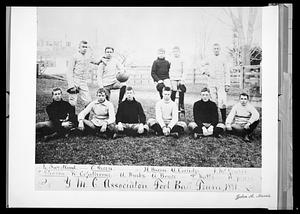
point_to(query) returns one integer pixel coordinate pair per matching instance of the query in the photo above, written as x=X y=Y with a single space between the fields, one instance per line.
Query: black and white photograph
x=149 y=86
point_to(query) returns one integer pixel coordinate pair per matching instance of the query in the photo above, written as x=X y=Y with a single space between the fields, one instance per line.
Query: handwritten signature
x=246 y=196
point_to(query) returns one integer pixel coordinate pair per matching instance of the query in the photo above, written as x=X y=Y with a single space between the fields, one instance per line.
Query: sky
x=140 y=31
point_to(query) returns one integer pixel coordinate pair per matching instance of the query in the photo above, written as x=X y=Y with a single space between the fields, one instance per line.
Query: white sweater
x=176 y=68
x=166 y=113
x=106 y=74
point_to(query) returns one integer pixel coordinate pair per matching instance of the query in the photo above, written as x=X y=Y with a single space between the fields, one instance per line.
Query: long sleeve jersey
x=78 y=69
x=205 y=112
x=166 y=113
x=160 y=69
x=101 y=112
x=130 y=112
x=218 y=70
x=242 y=114
x=106 y=73
x=60 y=110
x=177 y=68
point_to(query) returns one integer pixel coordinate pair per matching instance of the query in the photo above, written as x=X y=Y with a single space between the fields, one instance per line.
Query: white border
x=270 y=33
x=22 y=141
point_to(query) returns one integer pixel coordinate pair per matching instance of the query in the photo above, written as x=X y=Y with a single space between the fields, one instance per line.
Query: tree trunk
x=244 y=41
x=246 y=54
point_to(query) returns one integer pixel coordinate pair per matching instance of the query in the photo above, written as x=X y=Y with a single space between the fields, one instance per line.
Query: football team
x=99 y=118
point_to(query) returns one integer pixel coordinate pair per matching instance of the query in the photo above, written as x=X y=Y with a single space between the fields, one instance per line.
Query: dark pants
x=121 y=93
x=49 y=127
x=181 y=97
x=243 y=132
x=160 y=94
x=131 y=132
x=156 y=127
x=216 y=130
x=109 y=130
x=223 y=114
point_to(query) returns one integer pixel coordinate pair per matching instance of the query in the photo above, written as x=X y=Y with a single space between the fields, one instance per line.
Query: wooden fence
x=242 y=77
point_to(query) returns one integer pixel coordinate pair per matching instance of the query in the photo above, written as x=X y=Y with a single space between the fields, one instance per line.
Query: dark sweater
x=59 y=110
x=130 y=112
x=160 y=69
x=205 y=112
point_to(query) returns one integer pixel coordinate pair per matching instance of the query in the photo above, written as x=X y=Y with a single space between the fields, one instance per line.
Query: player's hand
x=66 y=124
x=247 y=126
x=81 y=125
x=227 y=87
x=141 y=128
x=210 y=130
x=160 y=81
x=103 y=128
x=120 y=127
x=166 y=131
x=67 y=118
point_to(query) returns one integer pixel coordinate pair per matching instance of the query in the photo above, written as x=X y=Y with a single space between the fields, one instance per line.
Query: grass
x=229 y=151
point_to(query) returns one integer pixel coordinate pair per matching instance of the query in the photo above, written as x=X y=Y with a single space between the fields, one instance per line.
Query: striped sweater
x=242 y=114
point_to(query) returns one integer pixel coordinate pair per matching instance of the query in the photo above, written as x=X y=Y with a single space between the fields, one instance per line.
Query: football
x=122 y=76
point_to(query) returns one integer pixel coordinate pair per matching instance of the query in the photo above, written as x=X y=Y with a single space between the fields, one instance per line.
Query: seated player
x=103 y=116
x=130 y=117
x=166 y=122
x=243 y=118
x=62 y=118
x=206 y=117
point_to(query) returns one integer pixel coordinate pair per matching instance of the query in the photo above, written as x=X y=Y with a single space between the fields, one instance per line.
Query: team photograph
x=149 y=86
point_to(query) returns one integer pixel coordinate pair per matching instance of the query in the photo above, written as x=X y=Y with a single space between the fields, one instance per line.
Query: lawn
x=229 y=151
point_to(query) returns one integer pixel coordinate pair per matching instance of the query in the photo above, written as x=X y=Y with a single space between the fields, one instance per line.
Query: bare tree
x=244 y=38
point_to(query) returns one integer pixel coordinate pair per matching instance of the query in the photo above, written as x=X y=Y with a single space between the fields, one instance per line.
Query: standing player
x=107 y=73
x=130 y=117
x=218 y=79
x=166 y=120
x=243 y=118
x=177 y=76
x=160 y=72
x=78 y=74
x=61 y=115
x=103 y=116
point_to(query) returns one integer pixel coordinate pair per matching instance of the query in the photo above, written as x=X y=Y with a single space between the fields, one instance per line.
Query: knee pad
x=192 y=125
x=183 y=125
x=141 y=130
x=220 y=125
x=119 y=128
